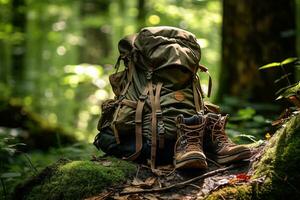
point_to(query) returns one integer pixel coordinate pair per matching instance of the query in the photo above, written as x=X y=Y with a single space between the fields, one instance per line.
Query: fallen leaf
x=268 y=136
x=134 y=197
x=243 y=177
x=150 y=181
x=137 y=182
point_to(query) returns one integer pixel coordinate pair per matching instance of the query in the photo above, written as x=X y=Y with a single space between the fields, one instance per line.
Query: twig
x=196 y=186
x=213 y=162
x=4 y=188
x=285 y=73
x=30 y=163
x=181 y=184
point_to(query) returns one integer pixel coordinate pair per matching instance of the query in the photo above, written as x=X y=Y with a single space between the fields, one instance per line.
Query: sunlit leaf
x=271 y=65
x=268 y=136
x=246 y=113
x=289 y=61
x=250 y=137
x=278 y=64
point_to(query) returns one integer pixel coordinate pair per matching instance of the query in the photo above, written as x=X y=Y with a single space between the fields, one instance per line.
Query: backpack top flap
x=126 y=45
x=164 y=46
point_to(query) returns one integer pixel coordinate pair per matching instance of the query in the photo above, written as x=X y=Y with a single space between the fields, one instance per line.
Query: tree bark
x=97 y=39
x=255 y=33
x=18 y=49
x=141 y=17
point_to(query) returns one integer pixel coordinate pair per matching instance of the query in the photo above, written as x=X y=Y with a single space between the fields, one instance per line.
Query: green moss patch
x=78 y=179
x=242 y=192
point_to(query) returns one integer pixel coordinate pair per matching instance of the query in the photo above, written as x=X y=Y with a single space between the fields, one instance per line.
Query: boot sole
x=191 y=163
x=233 y=158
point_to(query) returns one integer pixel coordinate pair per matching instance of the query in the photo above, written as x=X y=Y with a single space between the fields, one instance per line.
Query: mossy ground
x=279 y=165
x=75 y=179
x=277 y=169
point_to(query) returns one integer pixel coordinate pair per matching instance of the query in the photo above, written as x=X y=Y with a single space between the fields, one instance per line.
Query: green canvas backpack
x=159 y=82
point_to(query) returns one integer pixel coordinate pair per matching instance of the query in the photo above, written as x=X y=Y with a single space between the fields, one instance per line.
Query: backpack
x=159 y=82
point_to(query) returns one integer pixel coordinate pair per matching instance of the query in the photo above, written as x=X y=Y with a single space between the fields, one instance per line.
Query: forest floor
x=85 y=173
x=273 y=164
x=167 y=183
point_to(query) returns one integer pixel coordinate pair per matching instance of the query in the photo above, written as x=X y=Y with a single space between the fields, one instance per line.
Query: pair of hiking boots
x=205 y=132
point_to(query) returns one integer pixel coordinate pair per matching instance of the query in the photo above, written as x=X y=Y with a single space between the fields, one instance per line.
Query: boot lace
x=191 y=137
x=218 y=132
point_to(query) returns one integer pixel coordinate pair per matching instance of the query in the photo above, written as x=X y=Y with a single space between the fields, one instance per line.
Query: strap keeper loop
x=143 y=97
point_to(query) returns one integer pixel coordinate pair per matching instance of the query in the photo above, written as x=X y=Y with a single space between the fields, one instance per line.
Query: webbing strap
x=158 y=113
x=116 y=114
x=138 y=125
x=153 y=126
x=197 y=96
x=204 y=69
x=199 y=92
x=129 y=103
x=116 y=133
x=209 y=84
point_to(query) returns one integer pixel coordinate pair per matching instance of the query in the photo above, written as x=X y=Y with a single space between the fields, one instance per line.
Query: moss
x=279 y=164
x=242 y=192
x=80 y=179
x=283 y=165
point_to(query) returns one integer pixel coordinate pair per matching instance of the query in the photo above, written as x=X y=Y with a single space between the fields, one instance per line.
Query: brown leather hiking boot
x=188 y=148
x=217 y=142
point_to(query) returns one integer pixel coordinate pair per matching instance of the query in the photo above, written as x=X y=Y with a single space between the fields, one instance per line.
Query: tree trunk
x=141 y=17
x=18 y=49
x=255 y=33
x=97 y=38
x=5 y=50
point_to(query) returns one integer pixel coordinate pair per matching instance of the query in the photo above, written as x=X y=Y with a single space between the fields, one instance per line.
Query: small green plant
x=291 y=91
x=9 y=148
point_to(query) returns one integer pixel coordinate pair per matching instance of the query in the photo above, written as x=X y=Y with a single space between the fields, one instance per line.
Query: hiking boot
x=188 y=148
x=223 y=149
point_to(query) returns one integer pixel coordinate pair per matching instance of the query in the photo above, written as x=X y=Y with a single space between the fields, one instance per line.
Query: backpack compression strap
x=204 y=69
x=158 y=113
x=121 y=97
x=138 y=124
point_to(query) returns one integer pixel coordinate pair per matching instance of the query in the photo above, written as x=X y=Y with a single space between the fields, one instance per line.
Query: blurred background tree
x=45 y=43
x=56 y=56
x=255 y=33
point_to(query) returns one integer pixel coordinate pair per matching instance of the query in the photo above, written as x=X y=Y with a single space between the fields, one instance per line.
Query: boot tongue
x=193 y=120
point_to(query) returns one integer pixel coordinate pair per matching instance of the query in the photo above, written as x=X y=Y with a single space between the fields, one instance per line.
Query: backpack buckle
x=160 y=128
x=143 y=97
x=121 y=97
x=149 y=75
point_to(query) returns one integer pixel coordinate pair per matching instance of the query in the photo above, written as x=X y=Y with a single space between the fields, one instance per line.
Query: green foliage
x=288 y=61
x=61 y=34
x=248 y=122
x=291 y=89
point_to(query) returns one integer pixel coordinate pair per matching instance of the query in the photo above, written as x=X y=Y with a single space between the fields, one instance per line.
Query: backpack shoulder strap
x=139 y=125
